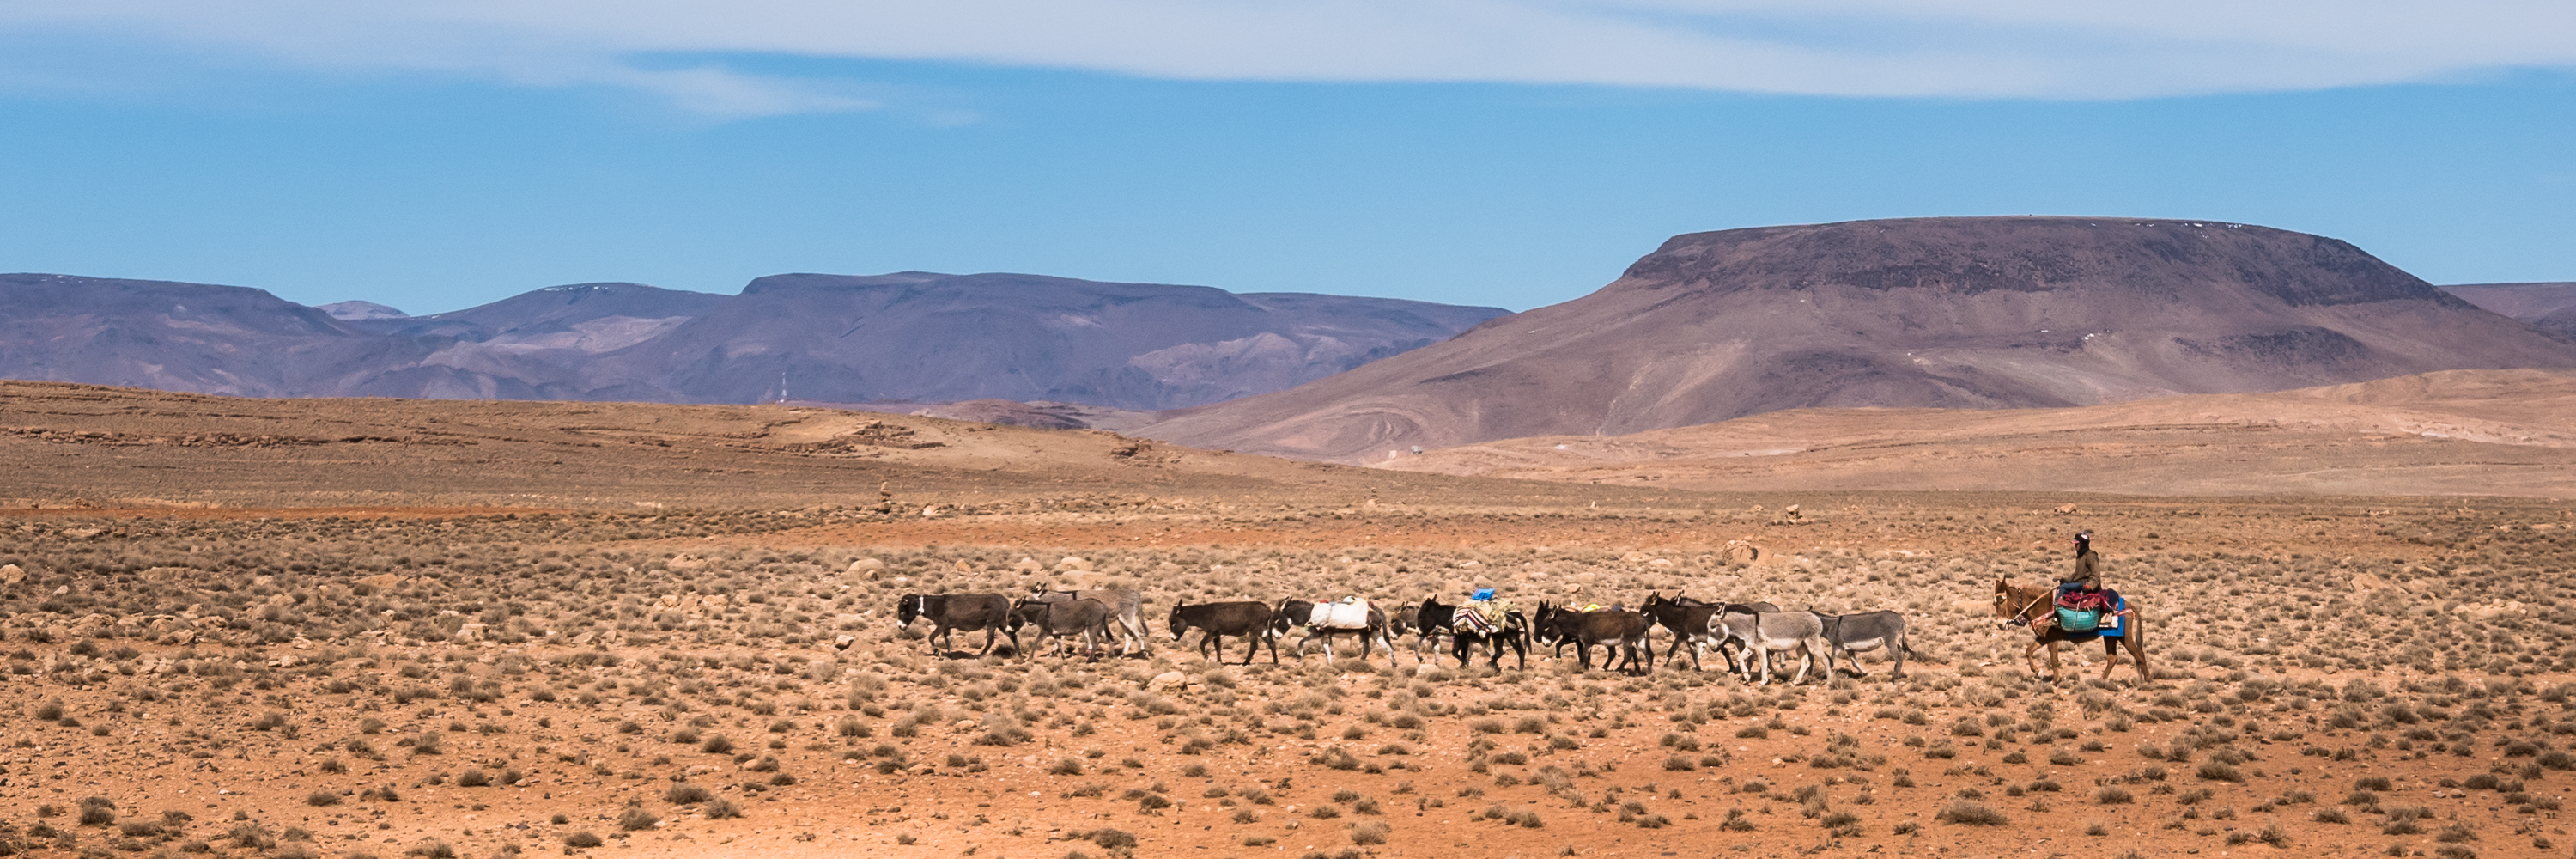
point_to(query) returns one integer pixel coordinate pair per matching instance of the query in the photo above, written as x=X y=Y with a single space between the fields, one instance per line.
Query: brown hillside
x=1930 y=313
x=64 y=445
x=2465 y=432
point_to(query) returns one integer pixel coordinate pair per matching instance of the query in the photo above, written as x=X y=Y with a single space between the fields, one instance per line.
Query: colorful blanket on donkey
x=1480 y=617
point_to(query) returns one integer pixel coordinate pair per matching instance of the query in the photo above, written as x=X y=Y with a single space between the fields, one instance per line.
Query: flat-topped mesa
x=1970 y=256
x=2005 y=312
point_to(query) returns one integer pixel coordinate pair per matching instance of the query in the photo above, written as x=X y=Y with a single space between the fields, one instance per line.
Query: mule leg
x=2138 y=646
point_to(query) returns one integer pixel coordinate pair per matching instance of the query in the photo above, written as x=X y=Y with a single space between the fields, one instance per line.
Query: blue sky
x=434 y=156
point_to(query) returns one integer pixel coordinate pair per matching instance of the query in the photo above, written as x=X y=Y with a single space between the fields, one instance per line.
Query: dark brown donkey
x=1248 y=619
x=1611 y=628
x=951 y=612
x=1688 y=620
x=2036 y=608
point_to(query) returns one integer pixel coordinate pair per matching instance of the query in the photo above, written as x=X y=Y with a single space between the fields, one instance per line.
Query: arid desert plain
x=383 y=628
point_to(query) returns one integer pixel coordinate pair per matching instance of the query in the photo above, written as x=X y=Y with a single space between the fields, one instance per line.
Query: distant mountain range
x=1934 y=312
x=2548 y=305
x=913 y=336
x=1931 y=312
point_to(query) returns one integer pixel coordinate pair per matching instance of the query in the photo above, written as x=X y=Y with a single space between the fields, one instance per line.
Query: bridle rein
x=2022 y=617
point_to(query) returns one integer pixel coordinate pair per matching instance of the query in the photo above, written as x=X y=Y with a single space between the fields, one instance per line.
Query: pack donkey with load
x=1351 y=616
x=1470 y=625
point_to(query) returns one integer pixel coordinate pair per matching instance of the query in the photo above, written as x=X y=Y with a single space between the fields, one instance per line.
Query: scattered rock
x=2490 y=610
x=10 y=574
x=1168 y=681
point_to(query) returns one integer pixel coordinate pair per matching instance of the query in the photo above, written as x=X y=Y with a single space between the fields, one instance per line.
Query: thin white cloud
x=2083 y=49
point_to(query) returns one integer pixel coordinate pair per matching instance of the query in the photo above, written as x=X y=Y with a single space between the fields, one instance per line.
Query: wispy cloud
x=2078 y=49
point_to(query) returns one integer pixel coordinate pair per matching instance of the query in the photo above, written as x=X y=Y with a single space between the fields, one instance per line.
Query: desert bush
x=1968 y=813
x=583 y=838
x=97 y=811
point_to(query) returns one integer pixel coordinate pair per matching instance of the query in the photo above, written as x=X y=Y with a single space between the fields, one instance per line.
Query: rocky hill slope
x=2010 y=312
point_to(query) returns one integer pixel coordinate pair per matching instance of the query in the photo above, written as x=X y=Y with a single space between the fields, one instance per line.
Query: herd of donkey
x=1760 y=631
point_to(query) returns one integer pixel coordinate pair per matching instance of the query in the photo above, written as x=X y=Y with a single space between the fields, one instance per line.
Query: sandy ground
x=241 y=648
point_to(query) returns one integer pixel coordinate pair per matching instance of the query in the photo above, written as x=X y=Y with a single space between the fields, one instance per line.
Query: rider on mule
x=2081 y=599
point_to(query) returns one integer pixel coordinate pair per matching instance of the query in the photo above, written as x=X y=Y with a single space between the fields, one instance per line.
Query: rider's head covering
x=1484 y=594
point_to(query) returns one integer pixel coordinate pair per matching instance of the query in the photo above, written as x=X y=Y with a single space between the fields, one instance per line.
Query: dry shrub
x=1967 y=813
